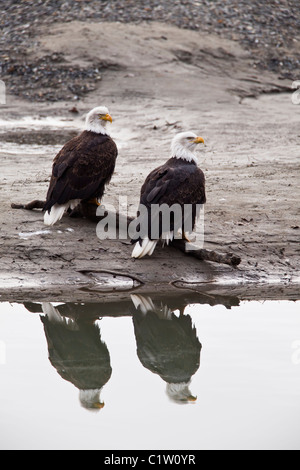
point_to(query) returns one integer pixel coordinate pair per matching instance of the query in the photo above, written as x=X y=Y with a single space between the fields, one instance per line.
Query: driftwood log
x=88 y=211
x=207 y=255
x=36 y=204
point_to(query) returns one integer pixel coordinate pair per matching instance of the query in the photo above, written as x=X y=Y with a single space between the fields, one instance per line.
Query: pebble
x=266 y=28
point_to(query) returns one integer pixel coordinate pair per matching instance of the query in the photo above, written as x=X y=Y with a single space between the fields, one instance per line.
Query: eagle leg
x=74 y=212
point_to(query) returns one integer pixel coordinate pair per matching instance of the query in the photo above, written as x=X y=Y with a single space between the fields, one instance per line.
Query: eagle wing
x=170 y=185
x=81 y=169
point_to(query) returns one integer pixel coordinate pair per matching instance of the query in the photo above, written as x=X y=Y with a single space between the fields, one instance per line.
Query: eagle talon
x=94 y=201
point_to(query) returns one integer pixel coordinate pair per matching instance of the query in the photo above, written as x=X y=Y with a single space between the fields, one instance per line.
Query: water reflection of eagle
x=78 y=354
x=167 y=345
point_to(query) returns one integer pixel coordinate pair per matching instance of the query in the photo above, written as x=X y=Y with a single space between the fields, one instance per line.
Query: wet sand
x=166 y=80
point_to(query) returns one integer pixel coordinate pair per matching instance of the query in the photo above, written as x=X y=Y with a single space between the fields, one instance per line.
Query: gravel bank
x=270 y=30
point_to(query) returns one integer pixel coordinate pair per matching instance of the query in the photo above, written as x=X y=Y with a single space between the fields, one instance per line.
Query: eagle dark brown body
x=81 y=169
x=175 y=182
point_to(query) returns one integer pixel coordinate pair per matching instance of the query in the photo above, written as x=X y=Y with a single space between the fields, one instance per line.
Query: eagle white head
x=184 y=145
x=97 y=119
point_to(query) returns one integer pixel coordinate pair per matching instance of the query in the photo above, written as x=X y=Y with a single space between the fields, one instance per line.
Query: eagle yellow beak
x=191 y=398
x=98 y=405
x=107 y=117
x=199 y=140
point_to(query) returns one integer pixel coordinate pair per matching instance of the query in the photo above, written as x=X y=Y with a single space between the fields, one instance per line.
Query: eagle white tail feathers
x=56 y=213
x=52 y=313
x=147 y=248
x=145 y=304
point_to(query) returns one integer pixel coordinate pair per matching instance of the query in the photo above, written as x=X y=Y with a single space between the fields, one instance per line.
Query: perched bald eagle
x=82 y=168
x=179 y=181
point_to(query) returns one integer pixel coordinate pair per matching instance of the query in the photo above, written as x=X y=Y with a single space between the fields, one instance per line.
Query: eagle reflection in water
x=78 y=354
x=167 y=345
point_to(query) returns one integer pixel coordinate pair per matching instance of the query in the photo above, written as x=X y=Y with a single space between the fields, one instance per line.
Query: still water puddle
x=150 y=374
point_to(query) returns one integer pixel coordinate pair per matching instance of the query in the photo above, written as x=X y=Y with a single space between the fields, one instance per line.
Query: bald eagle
x=82 y=168
x=179 y=181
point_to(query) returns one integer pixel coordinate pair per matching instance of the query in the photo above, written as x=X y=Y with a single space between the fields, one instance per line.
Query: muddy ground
x=158 y=80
